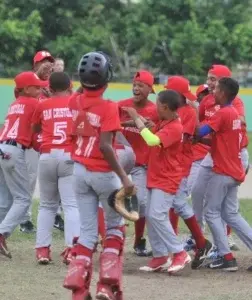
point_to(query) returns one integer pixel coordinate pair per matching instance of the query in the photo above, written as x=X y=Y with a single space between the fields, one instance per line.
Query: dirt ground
x=23 y=279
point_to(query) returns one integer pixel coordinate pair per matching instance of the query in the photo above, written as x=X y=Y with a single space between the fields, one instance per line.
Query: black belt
x=13 y=143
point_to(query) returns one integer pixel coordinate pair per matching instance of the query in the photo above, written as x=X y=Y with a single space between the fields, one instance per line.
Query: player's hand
x=45 y=70
x=128 y=185
x=131 y=112
x=149 y=123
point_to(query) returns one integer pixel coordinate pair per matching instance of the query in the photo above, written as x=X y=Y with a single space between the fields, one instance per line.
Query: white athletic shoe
x=157 y=264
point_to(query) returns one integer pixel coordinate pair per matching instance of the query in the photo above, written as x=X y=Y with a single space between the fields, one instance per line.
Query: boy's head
x=226 y=90
x=201 y=92
x=167 y=104
x=42 y=64
x=142 y=85
x=59 y=65
x=28 y=84
x=182 y=86
x=59 y=82
x=215 y=73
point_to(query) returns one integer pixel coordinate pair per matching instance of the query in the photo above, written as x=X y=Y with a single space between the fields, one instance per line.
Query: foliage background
x=169 y=37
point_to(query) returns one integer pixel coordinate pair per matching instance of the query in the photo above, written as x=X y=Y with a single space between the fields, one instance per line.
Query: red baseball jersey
x=199 y=151
x=188 y=119
x=226 y=143
x=55 y=118
x=132 y=134
x=17 y=124
x=92 y=115
x=164 y=169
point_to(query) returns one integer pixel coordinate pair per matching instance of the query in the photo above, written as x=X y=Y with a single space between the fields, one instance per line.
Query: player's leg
x=31 y=158
x=184 y=210
x=16 y=177
x=231 y=215
x=110 y=279
x=6 y=201
x=139 y=178
x=69 y=204
x=159 y=225
x=48 y=205
x=190 y=243
x=215 y=196
x=79 y=273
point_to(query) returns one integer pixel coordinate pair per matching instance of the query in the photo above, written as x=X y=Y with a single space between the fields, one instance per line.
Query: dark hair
x=170 y=98
x=59 y=81
x=230 y=87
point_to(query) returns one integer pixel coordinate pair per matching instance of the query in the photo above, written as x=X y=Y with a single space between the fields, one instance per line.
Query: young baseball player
x=207 y=109
x=97 y=173
x=226 y=174
x=164 y=175
x=15 y=138
x=188 y=118
x=142 y=86
x=53 y=120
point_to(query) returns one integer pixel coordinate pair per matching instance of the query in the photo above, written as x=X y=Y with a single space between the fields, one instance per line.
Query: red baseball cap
x=201 y=89
x=25 y=79
x=145 y=77
x=181 y=85
x=220 y=71
x=41 y=55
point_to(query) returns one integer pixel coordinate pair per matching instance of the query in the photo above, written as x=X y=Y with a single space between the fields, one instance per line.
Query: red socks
x=174 y=219
x=196 y=232
x=139 y=230
x=101 y=223
x=228 y=230
x=228 y=256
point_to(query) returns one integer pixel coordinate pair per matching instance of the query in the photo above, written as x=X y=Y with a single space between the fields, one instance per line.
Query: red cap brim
x=190 y=96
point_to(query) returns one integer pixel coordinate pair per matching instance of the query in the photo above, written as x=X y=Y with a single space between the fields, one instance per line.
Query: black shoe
x=201 y=255
x=59 y=223
x=249 y=269
x=27 y=227
x=140 y=249
x=226 y=265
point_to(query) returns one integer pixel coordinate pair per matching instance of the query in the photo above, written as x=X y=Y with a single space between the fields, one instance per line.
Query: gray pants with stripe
x=221 y=203
x=55 y=175
x=200 y=184
x=138 y=175
x=161 y=235
x=90 y=188
x=15 y=196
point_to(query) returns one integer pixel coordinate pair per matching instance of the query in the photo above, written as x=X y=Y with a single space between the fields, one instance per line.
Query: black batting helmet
x=95 y=70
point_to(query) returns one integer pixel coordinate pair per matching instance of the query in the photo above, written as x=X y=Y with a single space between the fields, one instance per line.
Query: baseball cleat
x=141 y=250
x=249 y=269
x=67 y=256
x=3 y=247
x=104 y=292
x=59 y=223
x=43 y=255
x=157 y=264
x=213 y=254
x=225 y=265
x=201 y=255
x=232 y=245
x=27 y=227
x=179 y=261
x=189 y=244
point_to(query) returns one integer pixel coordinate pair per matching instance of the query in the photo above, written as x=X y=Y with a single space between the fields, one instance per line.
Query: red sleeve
x=190 y=122
x=169 y=135
x=202 y=108
x=111 y=120
x=239 y=106
x=37 y=115
x=216 y=121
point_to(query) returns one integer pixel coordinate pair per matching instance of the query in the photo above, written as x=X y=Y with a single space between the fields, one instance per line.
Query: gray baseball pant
x=200 y=184
x=90 y=188
x=55 y=175
x=138 y=175
x=161 y=235
x=191 y=179
x=15 y=196
x=221 y=203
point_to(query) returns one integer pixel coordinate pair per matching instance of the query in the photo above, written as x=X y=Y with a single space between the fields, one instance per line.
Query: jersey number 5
x=59 y=133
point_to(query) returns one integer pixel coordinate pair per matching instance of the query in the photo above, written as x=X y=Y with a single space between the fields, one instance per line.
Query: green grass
x=245 y=209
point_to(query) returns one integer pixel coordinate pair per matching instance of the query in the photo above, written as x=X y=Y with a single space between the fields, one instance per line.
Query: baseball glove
x=126 y=206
